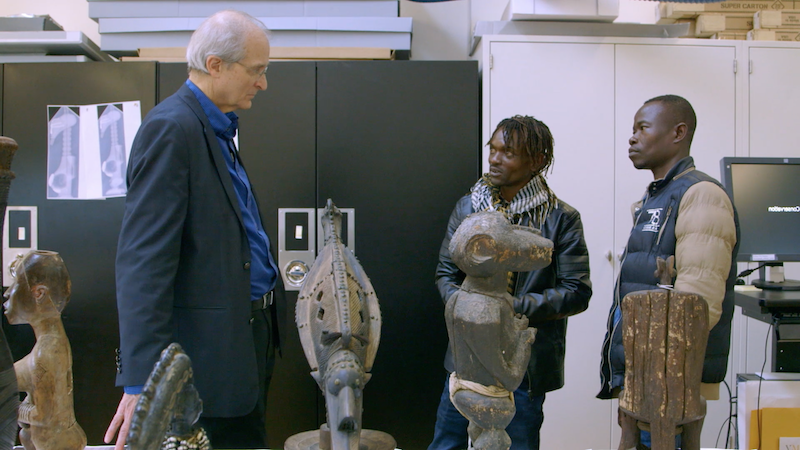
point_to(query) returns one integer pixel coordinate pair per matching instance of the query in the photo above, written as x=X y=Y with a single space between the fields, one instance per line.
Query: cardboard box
x=739 y=22
x=707 y=24
x=776 y=19
x=748 y=6
x=669 y=12
x=732 y=35
x=178 y=54
x=774 y=34
x=771 y=424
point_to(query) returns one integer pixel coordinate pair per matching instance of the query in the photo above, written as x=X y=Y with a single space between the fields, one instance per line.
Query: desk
x=782 y=309
x=774 y=390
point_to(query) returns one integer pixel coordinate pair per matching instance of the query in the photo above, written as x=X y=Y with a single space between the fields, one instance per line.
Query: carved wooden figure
x=491 y=344
x=339 y=322
x=37 y=296
x=664 y=334
x=9 y=395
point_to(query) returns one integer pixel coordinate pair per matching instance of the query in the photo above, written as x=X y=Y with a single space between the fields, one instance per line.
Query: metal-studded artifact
x=169 y=407
x=339 y=322
x=491 y=345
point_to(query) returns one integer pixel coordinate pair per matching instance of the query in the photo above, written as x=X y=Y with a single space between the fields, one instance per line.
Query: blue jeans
x=450 y=432
x=644 y=438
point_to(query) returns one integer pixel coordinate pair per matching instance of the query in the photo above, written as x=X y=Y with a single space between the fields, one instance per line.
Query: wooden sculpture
x=169 y=407
x=491 y=344
x=339 y=322
x=40 y=291
x=9 y=395
x=664 y=334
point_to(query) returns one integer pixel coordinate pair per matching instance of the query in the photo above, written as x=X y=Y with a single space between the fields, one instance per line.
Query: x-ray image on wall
x=112 y=149
x=63 y=145
x=88 y=149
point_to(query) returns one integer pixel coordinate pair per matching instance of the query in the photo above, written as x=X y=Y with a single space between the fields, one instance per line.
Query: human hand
x=521 y=321
x=531 y=335
x=121 y=421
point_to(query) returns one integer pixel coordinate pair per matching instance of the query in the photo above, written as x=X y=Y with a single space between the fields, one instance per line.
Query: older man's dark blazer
x=183 y=259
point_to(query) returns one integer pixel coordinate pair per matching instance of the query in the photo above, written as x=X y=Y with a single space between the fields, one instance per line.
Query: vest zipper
x=663 y=225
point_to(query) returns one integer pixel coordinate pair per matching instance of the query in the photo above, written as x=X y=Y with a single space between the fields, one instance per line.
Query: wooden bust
x=37 y=296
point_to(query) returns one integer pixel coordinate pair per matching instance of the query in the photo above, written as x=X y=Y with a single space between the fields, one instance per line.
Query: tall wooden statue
x=40 y=291
x=339 y=322
x=9 y=396
x=491 y=344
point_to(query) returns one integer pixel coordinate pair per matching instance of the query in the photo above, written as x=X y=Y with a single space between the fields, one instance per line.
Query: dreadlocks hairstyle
x=680 y=110
x=530 y=134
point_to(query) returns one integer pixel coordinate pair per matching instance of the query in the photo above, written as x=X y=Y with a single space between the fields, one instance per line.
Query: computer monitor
x=766 y=192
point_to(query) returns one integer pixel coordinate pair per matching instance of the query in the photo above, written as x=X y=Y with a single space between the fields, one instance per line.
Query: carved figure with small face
x=40 y=291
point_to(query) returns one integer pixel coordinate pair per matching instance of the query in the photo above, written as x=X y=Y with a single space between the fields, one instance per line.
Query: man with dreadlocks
x=521 y=151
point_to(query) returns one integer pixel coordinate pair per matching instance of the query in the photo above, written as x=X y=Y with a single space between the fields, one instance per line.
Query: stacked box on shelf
x=731 y=19
x=773 y=25
x=127 y=25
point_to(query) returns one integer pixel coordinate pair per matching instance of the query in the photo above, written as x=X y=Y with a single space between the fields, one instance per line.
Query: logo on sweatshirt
x=654 y=224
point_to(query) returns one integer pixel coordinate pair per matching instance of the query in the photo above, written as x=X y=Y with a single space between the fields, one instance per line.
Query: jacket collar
x=189 y=97
x=682 y=167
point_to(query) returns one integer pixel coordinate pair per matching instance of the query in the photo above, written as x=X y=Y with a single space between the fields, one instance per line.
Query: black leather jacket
x=546 y=296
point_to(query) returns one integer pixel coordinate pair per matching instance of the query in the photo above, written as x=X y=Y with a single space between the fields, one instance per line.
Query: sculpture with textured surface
x=491 y=344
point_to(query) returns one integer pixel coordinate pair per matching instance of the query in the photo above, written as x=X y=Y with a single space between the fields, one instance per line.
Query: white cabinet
x=587 y=91
x=774 y=100
x=576 y=101
x=770 y=105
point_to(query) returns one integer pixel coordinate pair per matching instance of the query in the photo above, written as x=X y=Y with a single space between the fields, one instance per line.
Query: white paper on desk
x=770 y=394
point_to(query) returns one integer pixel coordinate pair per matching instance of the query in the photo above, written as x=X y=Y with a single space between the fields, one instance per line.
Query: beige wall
x=442 y=31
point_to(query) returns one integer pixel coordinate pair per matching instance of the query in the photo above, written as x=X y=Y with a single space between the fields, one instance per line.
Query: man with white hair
x=194 y=263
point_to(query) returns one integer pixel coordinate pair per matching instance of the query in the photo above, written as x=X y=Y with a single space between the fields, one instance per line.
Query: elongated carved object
x=339 y=322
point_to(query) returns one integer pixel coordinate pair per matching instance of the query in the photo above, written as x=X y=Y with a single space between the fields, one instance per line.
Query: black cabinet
x=398 y=141
x=84 y=232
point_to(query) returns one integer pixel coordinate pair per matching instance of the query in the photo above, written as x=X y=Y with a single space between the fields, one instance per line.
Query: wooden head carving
x=486 y=244
x=41 y=287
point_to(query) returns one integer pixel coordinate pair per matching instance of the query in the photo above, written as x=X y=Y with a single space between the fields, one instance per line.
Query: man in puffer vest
x=685 y=213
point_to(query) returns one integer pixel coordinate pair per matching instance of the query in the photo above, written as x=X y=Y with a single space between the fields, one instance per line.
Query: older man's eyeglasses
x=255 y=72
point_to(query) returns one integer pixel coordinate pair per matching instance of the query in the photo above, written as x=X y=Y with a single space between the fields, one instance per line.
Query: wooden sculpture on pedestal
x=491 y=344
x=339 y=322
x=9 y=395
x=40 y=291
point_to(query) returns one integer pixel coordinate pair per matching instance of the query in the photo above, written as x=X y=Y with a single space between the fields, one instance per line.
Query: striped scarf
x=535 y=200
